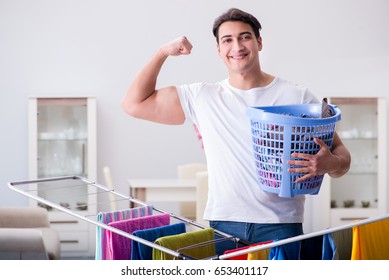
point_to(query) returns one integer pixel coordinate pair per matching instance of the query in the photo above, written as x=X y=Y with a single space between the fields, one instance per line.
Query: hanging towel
x=179 y=241
x=290 y=251
x=312 y=248
x=238 y=257
x=370 y=241
x=120 y=246
x=261 y=254
x=329 y=251
x=257 y=255
x=343 y=242
x=112 y=216
x=143 y=252
x=320 y=247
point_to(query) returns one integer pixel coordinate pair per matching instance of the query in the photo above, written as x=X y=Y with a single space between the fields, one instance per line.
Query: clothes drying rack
x=24 y=188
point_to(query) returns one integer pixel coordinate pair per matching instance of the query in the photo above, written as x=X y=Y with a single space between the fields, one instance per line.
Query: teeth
x=237 y=57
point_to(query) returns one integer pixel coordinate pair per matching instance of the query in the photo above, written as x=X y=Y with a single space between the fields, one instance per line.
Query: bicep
x=163 y=106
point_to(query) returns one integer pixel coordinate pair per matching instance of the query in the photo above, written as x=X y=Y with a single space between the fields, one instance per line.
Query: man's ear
x=259 y=43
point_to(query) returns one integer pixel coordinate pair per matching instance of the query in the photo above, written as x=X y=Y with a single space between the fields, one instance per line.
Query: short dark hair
x=235 y=14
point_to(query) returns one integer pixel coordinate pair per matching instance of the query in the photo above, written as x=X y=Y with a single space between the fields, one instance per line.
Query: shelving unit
x=362 y=192
x=62 y=142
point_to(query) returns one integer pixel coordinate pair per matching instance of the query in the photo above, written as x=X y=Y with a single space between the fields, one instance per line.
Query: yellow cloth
x=259 y=255
x=179 y=241
x=371 y=241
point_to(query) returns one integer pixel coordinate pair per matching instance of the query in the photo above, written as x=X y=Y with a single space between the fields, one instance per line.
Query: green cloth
x=179 y=241
x=343 y=241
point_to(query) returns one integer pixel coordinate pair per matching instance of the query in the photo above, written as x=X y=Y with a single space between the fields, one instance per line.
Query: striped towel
x=112 y=216
x=120 y=246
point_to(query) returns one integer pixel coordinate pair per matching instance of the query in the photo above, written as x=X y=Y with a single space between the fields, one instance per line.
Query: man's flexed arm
x=144 y=101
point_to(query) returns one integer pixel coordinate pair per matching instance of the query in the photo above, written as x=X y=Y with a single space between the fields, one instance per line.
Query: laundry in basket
x=277 y=132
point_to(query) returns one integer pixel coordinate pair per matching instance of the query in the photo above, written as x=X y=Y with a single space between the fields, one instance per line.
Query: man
x=235 y=204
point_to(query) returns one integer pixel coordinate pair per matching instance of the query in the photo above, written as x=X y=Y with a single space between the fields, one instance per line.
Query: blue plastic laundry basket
x=277 y=132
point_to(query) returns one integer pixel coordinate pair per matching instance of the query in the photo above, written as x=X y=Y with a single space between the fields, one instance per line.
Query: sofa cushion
x=22 y=244
x=23 y=217
x=20 y=220
x=52 y=243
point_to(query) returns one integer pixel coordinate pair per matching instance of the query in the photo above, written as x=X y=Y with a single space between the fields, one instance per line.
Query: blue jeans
x=254 y=233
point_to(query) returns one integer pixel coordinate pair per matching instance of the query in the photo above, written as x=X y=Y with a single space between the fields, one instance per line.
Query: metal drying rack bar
x=22 y=187
x=15 y=186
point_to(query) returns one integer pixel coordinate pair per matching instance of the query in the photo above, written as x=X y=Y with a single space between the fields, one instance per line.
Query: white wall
x=94 y=48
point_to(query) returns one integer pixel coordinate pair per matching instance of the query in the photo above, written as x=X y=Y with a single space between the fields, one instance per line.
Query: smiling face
x=238 y=47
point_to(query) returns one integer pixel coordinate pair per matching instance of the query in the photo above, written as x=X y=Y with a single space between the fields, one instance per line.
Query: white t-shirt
x=219 y=111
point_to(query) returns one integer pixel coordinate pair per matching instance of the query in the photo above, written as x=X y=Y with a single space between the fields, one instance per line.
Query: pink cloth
x=113 y=216
x=120 y=246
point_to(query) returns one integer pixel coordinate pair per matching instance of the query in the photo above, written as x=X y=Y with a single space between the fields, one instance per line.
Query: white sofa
x=25 y=233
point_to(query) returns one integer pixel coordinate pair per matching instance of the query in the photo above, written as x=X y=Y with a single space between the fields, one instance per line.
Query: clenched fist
x=179 y=46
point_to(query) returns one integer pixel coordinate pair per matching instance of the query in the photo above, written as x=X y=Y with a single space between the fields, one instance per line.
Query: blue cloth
x=329 y=247
x=144 y=252
x=290 y=251
x=315 y=248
